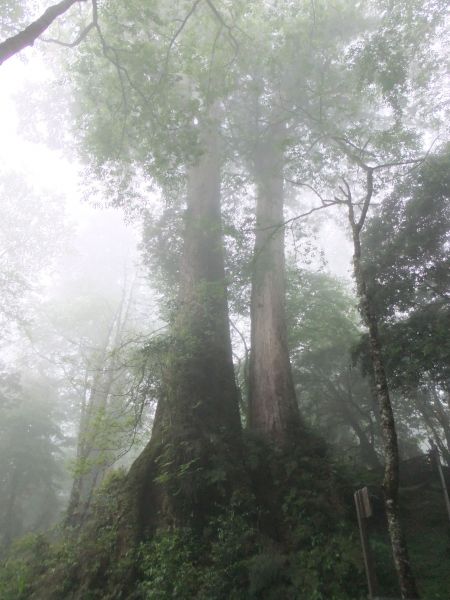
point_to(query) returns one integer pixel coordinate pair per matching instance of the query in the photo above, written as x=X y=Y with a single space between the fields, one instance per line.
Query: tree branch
x=29 y=35
x=367 y=199
x=223 y=23
x=313 y=189
x=345 y=145
x=83 y=33
x=279 y=226
x=175 y=36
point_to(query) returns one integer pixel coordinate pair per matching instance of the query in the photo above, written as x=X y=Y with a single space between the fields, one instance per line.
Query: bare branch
x=313 y=189
x=347 y=193
x=344 y=146
x=279 y=226
x=398 y=163
x=211 y=61
x=361 y=151
x=241 y=335
x=80 y=37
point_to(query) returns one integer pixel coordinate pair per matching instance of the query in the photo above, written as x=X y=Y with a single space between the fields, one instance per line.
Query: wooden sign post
x=364 y=511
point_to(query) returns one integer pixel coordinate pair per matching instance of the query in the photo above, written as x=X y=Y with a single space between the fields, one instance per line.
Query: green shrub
x=26 y=562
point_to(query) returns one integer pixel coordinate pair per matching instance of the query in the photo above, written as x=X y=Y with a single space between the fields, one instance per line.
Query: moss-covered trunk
x=191 y=462
x=406 y=579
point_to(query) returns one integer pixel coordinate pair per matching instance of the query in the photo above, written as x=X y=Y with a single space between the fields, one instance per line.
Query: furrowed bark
x=273 y=408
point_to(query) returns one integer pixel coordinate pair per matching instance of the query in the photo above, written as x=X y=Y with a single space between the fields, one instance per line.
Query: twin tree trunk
x=192 y=462
x=273 y=408
x=391 y=470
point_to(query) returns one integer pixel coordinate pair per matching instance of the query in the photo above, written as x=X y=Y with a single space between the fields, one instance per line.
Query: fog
x=224 y=297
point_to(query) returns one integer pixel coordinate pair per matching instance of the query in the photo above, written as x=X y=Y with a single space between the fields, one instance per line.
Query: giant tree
x=271 y=108
x=160 y=121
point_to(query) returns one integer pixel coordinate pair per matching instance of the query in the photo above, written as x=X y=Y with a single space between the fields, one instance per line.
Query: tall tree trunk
x=88 y=462
x=92 y=461
x=273 y=408
x=391 y=470
x=192 y=460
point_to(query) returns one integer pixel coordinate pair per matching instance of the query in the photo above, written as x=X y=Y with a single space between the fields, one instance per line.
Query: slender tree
x=388 y=428
x=97 y=410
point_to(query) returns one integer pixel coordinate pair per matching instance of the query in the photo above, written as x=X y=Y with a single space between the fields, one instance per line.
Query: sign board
x=363 y=511
x=365 y=501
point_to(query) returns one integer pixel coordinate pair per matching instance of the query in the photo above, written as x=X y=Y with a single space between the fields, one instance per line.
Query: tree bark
x=192 y=460
x=406 y=579
x=29 y=35
x=273 y=408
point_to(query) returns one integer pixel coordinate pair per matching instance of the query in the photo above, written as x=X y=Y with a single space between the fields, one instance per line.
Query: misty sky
x=49 y=170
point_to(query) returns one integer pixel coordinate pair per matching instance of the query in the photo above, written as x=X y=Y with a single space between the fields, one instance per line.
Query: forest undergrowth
x=307 y=549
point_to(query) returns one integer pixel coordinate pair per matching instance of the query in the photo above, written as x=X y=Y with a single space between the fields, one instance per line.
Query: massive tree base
x=277 y=530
